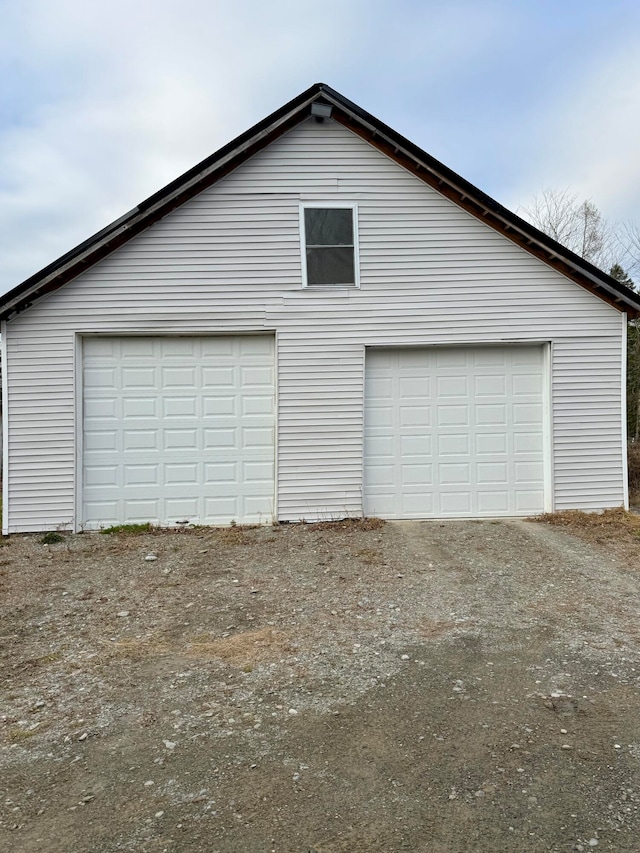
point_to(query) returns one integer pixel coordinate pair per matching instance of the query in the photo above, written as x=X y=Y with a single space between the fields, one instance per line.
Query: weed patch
x=347 y=524
x=130 y=529
x=52 y=537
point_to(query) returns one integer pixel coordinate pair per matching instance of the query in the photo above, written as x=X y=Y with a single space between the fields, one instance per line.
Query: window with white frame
x=329 y=234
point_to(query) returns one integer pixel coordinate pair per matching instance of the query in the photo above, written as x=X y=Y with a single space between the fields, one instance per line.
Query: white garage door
x=454 y=432
x=178 y=429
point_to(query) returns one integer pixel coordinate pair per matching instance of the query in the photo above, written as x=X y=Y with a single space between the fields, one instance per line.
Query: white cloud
x=145 y=90
x=106 y=103
x=586 y=137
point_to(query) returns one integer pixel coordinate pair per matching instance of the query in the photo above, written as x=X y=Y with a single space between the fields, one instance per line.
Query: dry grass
x=370 y=556
x=347 y=524
x=244 y=649
x=232 y=535
x=18 y=735
x=137 y=648
x=611 y=524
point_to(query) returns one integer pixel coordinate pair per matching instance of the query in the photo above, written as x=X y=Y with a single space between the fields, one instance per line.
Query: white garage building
x=318 y=321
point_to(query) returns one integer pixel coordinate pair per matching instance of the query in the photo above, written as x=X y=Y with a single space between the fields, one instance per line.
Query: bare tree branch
x=577 y=225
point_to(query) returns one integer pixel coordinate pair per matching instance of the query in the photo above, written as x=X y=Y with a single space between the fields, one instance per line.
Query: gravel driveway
x=341 y=688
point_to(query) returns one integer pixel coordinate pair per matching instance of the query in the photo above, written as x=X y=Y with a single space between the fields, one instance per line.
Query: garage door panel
x=453 y=416
x=490 y=414
x=257 y=506
x=452 y=444
x=253 y=345
x=176 y=437
x=256 y=377
x=100 y=441
x=527 y=442
x=414 y=386
x=525 y=356
x=179 y=407
x=180 y=439
x=381 y=475
x=413 y=505
x=221 y=472
x=380 y=415
x=99 y=510
x=477 y=410
x=455 y=503
x=491 y=443
x=417 y=474
x=258 y=439
x=133 y=407
x=139 y=511
x=447 y=358
x=526 y=414
x=417 y=446
x=217 y=378
x=527 y=384
x=491 y=357
x=452 y=386
x=490 y=386
x=529 y=472
x=220 y=438
x=449 y=473
x=135 y=475
x=493 y=503
x=134 y=378
x=258 y=472
x=101 y=408
x=124 y=348
x=103 y=476
x=257 y=404
x=185 y=474
x=181 y=508
x=414 y=415
x=492 y=472
x=529 y=502
x=381 y=446
x=100 y=378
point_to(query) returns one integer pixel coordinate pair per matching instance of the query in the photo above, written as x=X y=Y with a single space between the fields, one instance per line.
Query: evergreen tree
x=620 y=275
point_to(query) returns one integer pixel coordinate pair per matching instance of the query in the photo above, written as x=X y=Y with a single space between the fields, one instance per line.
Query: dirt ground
x=443 y=687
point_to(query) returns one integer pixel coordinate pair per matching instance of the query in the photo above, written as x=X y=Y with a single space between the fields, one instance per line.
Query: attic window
x=329 y=245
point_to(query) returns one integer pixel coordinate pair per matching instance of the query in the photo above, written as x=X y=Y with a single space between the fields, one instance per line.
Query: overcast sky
x=103 y=103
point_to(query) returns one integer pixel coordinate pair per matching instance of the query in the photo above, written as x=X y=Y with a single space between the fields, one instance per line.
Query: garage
x=455 y=431
x=178 y=429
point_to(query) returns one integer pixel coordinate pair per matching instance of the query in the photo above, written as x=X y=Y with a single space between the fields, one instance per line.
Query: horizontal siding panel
x=588 y=467
x=229 y=261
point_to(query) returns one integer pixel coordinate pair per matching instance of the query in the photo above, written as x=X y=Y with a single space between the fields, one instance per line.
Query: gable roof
x=369 y=128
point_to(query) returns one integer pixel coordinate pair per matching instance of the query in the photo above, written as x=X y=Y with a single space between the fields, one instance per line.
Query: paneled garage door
x=178 y=429
x=454 y=432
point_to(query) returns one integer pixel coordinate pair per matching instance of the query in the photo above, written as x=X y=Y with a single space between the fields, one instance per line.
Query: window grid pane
x=328 y=226
x=330 y=265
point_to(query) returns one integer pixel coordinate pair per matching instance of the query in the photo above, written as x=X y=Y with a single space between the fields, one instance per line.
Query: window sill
x=331 y=287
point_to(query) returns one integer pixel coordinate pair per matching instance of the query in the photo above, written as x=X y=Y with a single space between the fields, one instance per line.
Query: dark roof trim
x=378 y=134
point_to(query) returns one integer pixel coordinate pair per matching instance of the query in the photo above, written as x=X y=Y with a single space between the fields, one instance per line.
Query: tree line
x=612 y=247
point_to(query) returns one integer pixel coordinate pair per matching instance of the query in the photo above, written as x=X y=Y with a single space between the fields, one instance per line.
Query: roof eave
x=489 y=210
x=387 y=140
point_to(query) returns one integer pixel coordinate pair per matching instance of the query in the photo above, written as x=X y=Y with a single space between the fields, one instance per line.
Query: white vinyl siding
x=229 y=262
